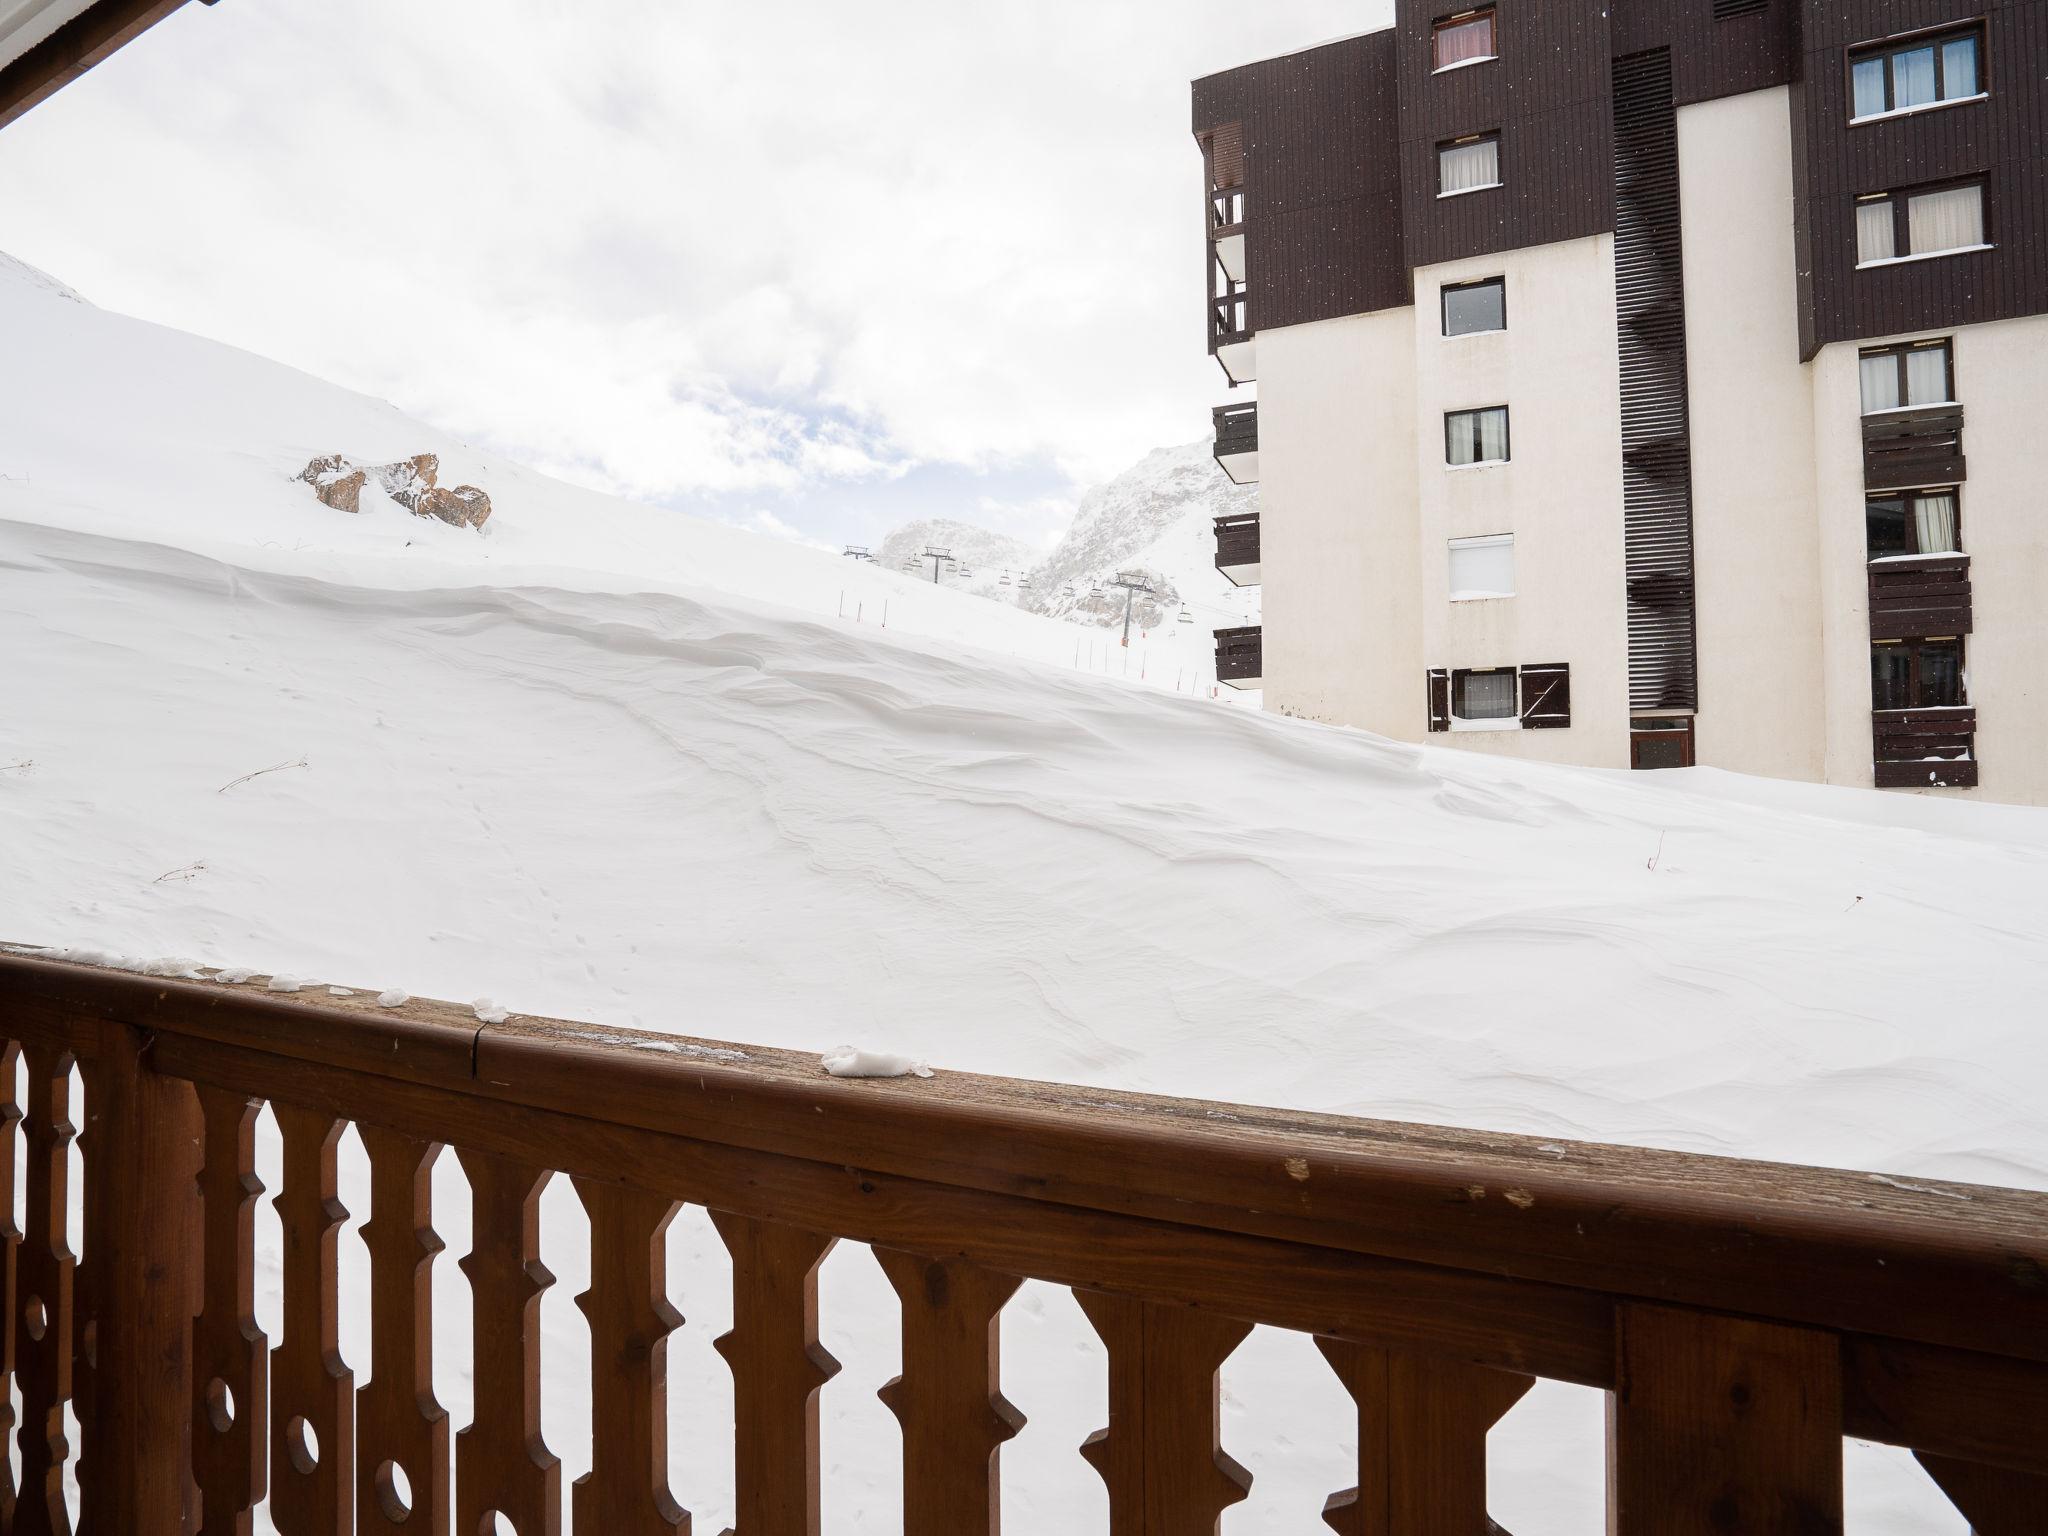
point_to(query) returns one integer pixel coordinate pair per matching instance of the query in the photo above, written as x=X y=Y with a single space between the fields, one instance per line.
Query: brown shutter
x=1439 y=699
x=1547 y=697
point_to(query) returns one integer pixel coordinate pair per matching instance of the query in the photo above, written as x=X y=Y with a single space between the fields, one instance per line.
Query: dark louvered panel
x=1656 y=450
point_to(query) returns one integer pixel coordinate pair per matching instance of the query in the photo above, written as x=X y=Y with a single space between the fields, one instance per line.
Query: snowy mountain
x=1156 y=518
x=982 y=557
x=609 y=763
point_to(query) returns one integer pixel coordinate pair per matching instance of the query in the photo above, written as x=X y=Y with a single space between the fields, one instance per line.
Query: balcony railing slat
x=47 y=1270
x=778 y=1365
x=949 y=1398
x=1161 y=1456
x=625 y=1492
x=1723 y=1424
x=401 y=1427
x=10 y=1257
x=312 y=1392
x=1422 y=1427
x=230 y=1355
x=502 y=1463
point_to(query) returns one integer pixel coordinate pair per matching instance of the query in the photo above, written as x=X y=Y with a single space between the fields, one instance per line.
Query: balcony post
x=144 y=1136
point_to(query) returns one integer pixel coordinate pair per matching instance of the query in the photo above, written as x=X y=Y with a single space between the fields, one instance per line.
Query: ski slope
x=602 y=764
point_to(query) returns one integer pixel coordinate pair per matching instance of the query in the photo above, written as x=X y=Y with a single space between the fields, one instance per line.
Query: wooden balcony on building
x=1240 y=662
x=1904 y=449
x=1237 y=441
x=1925 y=748
x=1916 y=595
x=1237 y=549
x=1744 y=1317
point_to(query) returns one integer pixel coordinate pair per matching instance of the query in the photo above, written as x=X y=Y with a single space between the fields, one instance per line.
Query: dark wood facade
x=2003 y=138
x=1920 y=595
x=1902 y=449
x=1341 y=141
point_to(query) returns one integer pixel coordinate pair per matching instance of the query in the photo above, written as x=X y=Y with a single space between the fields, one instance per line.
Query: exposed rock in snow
x=338 y=481
x=850 y=1062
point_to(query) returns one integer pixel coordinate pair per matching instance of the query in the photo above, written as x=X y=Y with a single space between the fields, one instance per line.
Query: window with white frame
x=1934 y=221
x=1468 y=165
x=1476 y=437
x=1905 y=377
x=1482 y=567
x=1915 y=73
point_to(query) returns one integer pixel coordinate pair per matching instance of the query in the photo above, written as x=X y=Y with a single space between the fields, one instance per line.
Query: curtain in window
x=1934 y=523
x=1913 y=77
x=1463 y=41
x=1461 y=167
x=1869 y=79
x=1874 y=231
x=1941 y=675
x=1927 y=376
x=1880 y=383
x=1959 y=67
x=1493 y=434
x=1487 y=696
x=1944 y=221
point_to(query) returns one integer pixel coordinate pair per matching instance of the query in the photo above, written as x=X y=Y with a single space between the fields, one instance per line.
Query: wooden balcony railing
x=1925 y=748
x=1237 y=549
x=1745 y=1317
x=1237 y=428
x=1240 y=655
x=1919 y=595
x=1902 y=449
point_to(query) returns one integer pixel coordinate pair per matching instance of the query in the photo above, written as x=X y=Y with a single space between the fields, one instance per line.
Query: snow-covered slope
x=557 y=767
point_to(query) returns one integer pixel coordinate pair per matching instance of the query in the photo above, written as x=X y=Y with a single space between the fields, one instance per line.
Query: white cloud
x=673 y=250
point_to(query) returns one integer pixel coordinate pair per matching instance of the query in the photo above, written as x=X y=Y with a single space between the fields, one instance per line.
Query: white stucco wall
x=2002 y=381
x=1756 y=528
x=1337 y=523
x=1556 y=368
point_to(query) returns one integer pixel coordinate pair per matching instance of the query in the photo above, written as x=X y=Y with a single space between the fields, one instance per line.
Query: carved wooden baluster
x=46 y=1274
x=501 y=1462
x=947 y=1400
x=312 y=1393
x=1422 y=1427
x=1996 y=1501
x=626 y=1490
x=1721 y=1424
x=230 y=1356
x=778 y=1365
x=10 y=1253
x=401 y=1428
x=1161 y=1456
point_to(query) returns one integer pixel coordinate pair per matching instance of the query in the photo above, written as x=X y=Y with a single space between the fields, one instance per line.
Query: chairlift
x=1096 y=590
x=1067 y=591
x=1185 y=616
x=965 y=573
x=1006 y=579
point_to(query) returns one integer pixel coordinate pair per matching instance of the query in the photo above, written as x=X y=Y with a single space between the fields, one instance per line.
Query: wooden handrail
x=1502 y=1257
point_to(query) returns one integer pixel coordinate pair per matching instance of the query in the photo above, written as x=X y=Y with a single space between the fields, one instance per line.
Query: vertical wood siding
x=2004 y=139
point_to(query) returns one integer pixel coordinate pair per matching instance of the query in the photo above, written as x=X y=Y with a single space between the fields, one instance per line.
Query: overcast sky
x=824 y=264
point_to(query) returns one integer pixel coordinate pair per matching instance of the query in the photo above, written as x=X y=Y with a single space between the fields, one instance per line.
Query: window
x=1913 y=523
x=1470 y=308
x=1916 y=374
x=1916 y=674
x=1896 y=226
x=1484 y=695
x=1662 y=741
x=1533 y=698
x=1468 y=165
x=1922 y=72
x=1466 y=38
x=1483 y=567
x=1476 y=437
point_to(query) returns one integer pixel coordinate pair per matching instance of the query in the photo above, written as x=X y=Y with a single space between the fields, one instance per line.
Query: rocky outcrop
x=412 y=483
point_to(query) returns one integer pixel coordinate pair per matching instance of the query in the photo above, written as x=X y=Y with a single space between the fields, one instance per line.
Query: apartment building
x=1647 y=384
